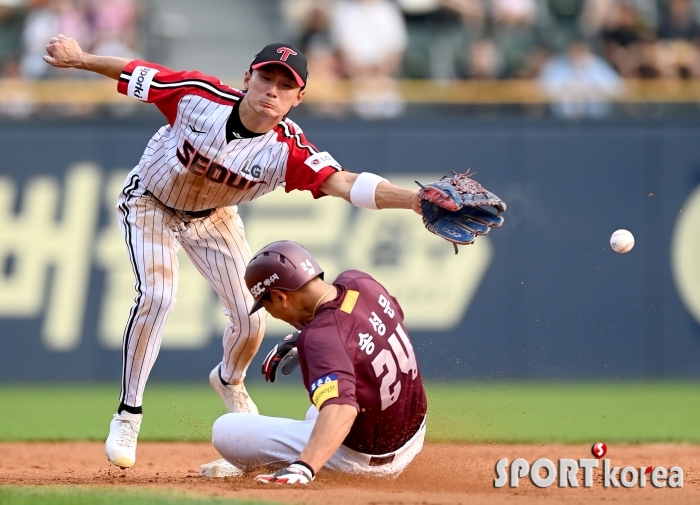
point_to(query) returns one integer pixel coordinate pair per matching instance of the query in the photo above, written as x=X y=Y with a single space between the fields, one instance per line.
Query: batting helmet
x=283 y=265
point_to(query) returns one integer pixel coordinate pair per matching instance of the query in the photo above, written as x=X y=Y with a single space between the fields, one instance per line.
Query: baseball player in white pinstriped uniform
x=221 y=147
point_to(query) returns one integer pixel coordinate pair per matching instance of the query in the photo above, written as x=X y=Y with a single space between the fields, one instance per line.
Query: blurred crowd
x=109 y=27
x=447 y=39
x=577 y=49
x=580 y=51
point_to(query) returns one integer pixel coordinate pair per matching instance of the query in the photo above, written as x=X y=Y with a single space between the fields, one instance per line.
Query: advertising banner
x=543 y=297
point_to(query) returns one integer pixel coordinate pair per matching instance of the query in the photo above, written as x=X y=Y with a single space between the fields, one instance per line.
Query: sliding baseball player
x=221 y=147
x=358 y=366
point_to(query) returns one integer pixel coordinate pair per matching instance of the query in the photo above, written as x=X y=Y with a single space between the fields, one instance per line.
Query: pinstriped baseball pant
x=217 y=247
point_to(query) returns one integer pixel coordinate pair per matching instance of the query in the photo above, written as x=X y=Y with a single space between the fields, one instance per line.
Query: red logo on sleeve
x=285 y=52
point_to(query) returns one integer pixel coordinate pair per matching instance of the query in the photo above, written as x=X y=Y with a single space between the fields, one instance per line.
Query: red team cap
x=283 y=265
x=286 y=55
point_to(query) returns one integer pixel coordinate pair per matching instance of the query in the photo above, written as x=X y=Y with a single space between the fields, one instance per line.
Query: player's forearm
x=65 y=52
x=389 y=196
x=109 y=66
x=386 y=195
x=339 y=184
x=331 y=428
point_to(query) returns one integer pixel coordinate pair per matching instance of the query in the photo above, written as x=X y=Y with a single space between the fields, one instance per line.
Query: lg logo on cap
x=286 y=52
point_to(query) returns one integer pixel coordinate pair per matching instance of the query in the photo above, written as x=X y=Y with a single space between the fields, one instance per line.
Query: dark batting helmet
x=283 y=265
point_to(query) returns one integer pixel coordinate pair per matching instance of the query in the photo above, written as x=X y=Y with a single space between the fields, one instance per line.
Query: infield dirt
x=442 y=473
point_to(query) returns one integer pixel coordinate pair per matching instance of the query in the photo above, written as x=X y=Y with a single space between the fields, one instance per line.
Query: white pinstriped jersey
x=189 y=164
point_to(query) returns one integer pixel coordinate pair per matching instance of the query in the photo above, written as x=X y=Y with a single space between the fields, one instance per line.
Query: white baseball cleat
x=220 y=468
x=121 y=442
x=235 y=396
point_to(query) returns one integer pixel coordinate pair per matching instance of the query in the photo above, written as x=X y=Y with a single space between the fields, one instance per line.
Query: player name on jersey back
x=190 y=165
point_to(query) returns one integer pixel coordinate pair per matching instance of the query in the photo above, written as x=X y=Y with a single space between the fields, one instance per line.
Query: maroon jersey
x=356 y=352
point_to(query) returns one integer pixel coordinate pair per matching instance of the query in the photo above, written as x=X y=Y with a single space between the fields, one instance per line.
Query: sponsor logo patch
x=322 y=160
x=324 y=388
x=140 y=83
x=349 y=301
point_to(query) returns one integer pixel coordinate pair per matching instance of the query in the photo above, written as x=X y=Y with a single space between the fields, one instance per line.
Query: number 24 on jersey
x=399 y=358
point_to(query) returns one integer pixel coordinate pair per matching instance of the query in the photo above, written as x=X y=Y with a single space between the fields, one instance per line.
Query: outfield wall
x=543 y=297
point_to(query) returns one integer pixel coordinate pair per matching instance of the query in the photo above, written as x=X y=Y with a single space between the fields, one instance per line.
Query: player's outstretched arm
x=332 y=426
x=64 y=52
x=386 y=195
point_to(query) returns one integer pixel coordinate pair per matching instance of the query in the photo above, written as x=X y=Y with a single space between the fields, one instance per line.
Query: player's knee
x=231 y=436
x=255 y=328
x=226 y=430
x=163 y=299
x=217 y=433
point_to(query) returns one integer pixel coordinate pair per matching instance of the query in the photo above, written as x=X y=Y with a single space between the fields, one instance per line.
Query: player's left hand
x=296 y=473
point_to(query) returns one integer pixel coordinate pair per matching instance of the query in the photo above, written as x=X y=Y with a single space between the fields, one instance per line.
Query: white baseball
x=622 y=241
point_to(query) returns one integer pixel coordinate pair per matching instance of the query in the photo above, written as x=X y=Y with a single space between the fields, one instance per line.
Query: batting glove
x=296 y=473
x=282 y=357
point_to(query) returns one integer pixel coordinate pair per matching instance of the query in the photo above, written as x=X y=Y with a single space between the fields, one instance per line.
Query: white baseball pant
x=216 y=245
x=247 y=441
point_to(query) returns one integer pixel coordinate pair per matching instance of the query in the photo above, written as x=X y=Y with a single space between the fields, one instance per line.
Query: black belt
x=190 y=214
x=381 y=460
x=197 y=214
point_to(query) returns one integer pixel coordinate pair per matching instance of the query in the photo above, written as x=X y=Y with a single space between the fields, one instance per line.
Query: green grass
x=510 y=412
x=180 y=412
x=59 y=495
x=632 y=412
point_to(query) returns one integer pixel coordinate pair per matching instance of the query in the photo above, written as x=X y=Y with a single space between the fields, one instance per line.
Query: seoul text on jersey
x=200 y=165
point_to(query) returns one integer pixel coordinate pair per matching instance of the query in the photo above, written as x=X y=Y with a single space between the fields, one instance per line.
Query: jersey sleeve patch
x=349 y=301
x=323 y=389
x=140 y=82
x=322 y=160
